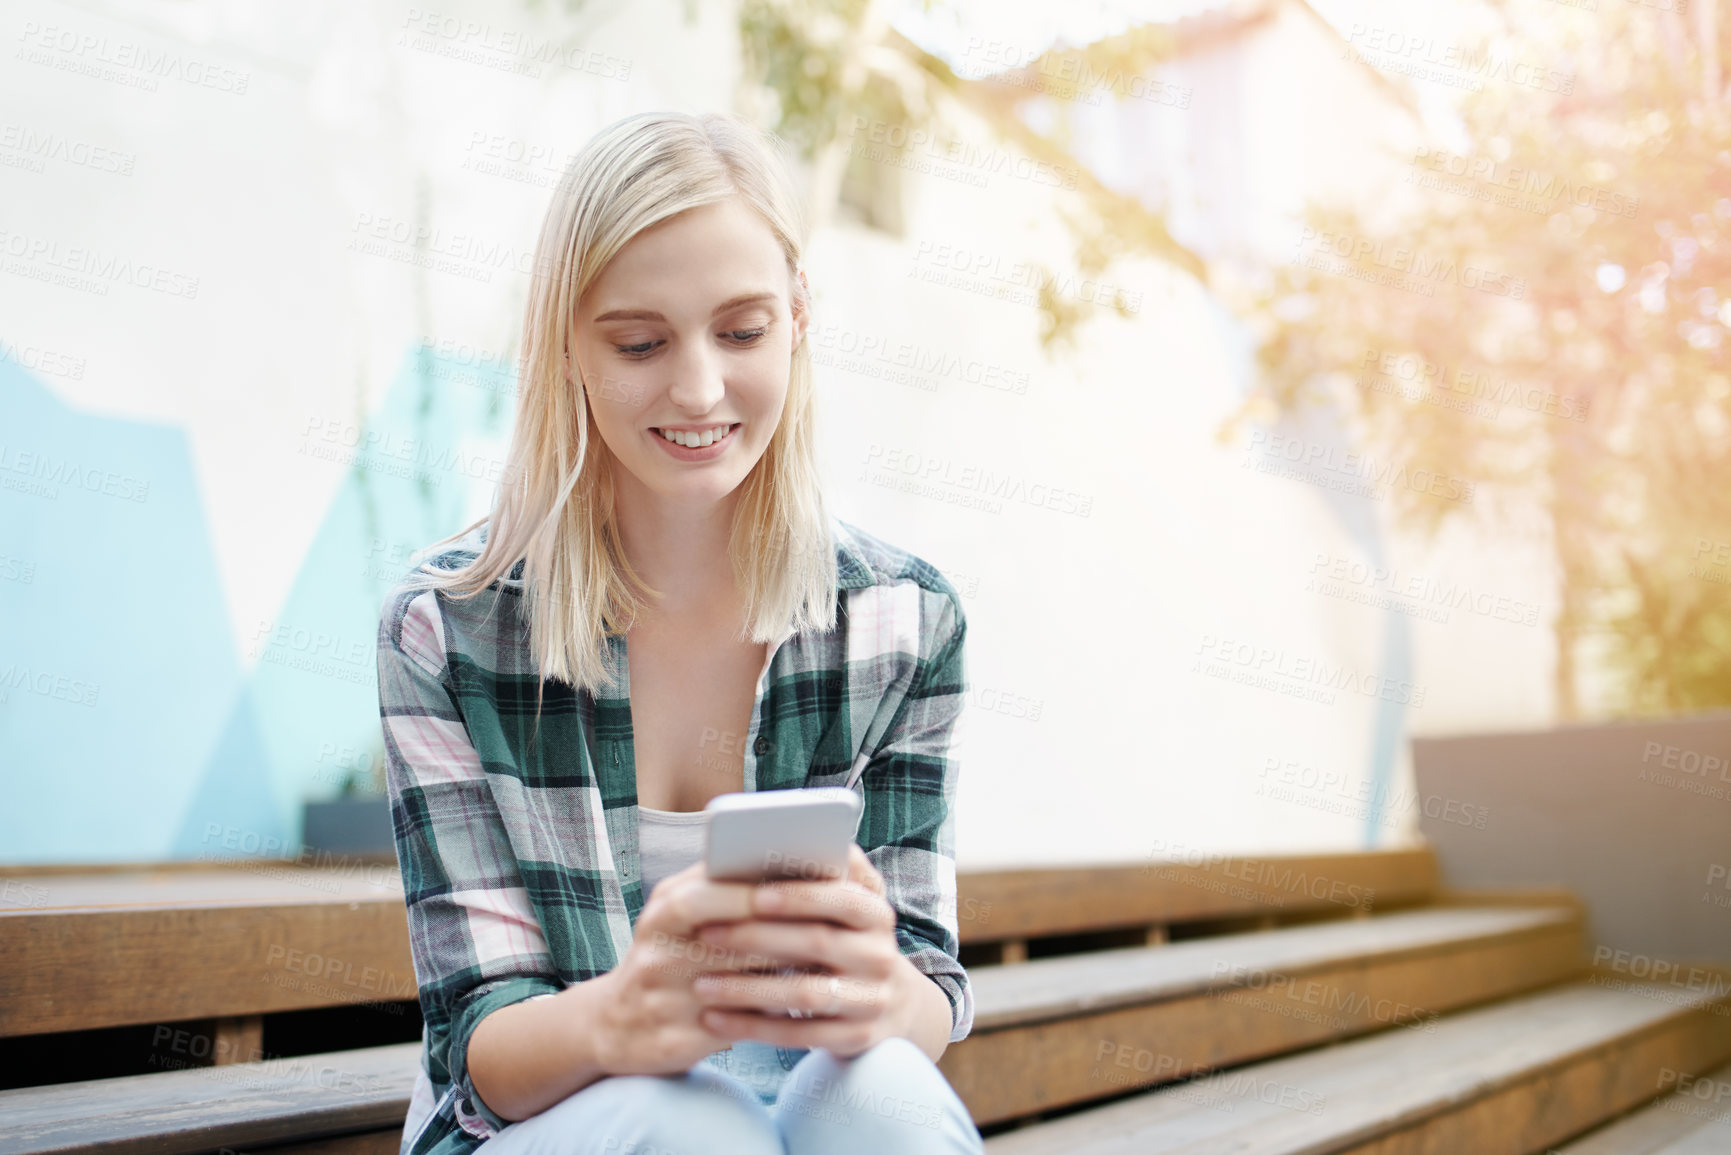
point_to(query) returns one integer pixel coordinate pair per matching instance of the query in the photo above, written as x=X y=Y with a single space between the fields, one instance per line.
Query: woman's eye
x=643 y=349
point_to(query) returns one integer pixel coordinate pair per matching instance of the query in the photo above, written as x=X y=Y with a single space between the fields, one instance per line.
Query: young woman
x=658 y=610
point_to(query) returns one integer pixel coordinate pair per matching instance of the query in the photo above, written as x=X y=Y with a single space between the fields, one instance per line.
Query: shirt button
x=761 y=746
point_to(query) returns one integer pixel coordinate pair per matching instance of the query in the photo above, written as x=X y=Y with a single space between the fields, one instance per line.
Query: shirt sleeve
x=907 y=828
x=476 y=941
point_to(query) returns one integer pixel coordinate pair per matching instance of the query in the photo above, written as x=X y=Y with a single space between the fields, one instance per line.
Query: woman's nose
x=698 y=382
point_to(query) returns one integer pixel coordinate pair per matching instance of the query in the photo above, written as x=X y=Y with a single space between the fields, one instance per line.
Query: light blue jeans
x=759 y=1099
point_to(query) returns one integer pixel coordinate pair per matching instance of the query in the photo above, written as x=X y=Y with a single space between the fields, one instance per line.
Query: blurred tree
x=827 y=65
x=1548 y=314
x=1561 y=287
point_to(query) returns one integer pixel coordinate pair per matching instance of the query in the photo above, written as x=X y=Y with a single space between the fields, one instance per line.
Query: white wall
x=1101 y=726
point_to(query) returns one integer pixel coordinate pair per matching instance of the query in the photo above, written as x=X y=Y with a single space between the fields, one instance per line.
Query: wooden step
x=1053 y=1032
x=279 y=1100
x=1206 y=1002
x=1010 y=904
x=194 y=941
x=1695 y=1119
x=1507 y=1079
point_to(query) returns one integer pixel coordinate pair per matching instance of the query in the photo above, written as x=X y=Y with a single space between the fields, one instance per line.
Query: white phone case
x=761 y=835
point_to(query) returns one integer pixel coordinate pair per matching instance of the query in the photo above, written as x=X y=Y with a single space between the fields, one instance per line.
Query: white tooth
x=696 y=440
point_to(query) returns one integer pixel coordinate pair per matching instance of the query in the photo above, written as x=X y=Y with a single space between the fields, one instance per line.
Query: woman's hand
x=648 y=1024
x=865 y=989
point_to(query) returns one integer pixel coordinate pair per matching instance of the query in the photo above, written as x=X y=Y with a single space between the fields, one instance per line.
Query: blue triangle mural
x=129 y=729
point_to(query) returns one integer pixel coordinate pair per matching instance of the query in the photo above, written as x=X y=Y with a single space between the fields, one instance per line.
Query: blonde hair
x=554 y=509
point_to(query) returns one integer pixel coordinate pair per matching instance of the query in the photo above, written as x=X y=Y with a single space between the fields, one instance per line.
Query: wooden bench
x=291 y=937
x=1100 y=993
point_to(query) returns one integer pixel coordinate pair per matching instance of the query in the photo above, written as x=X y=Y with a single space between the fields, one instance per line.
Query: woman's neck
x=680 y=550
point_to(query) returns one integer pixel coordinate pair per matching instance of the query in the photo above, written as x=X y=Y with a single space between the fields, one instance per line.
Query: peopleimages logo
x=1177 y=862
x=1329 y=573
x=1399 y=266
x=91 y=269
x=1483 y=178
x=947 y=478
x=136 y=64
x=41 y=474
x=1370 y=477
x=1421 y=378
x=1425 y=58
x=1279 y=666
x=15 y=678
x=1340 y=792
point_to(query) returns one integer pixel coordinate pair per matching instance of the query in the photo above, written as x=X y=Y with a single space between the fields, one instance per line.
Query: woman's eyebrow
x=652 y=315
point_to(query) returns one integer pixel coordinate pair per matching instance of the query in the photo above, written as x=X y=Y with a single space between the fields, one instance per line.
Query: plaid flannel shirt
x=519 y=857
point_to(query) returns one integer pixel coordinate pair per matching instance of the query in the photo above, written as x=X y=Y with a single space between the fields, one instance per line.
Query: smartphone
x=766 y=835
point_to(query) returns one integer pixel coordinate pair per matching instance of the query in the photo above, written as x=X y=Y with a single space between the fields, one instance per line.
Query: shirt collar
x=851 y=570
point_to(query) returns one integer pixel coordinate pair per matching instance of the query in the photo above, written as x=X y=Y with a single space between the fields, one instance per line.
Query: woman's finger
x=775 y=943
x=821 y=995
x=846 y=902
x=861 y=870
x=687 y=899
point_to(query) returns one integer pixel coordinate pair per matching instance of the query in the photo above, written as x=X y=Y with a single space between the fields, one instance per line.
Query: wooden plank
x=1695 y=1119
x=278 y=1100
x=211 y=1042
x=1173 y=1010
x=1506 y=1079
x=242 y=885
x=361 y=1143
x=1507 y=896
x=1005 y=904
x=217 y=859
x=1068 y=985
x=237 y=1040
x=82 y=949
x=63 y=972
x=197 y=941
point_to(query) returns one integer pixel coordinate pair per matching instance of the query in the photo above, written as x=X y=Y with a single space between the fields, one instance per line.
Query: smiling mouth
x=697 y=439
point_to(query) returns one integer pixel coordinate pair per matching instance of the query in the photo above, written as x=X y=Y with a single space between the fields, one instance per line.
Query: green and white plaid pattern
x=519 y=850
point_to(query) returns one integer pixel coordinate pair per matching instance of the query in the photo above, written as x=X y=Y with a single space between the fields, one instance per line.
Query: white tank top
x=668 y=841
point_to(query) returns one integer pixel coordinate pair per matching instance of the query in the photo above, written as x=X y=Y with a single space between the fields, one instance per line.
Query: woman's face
x=690 y=328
